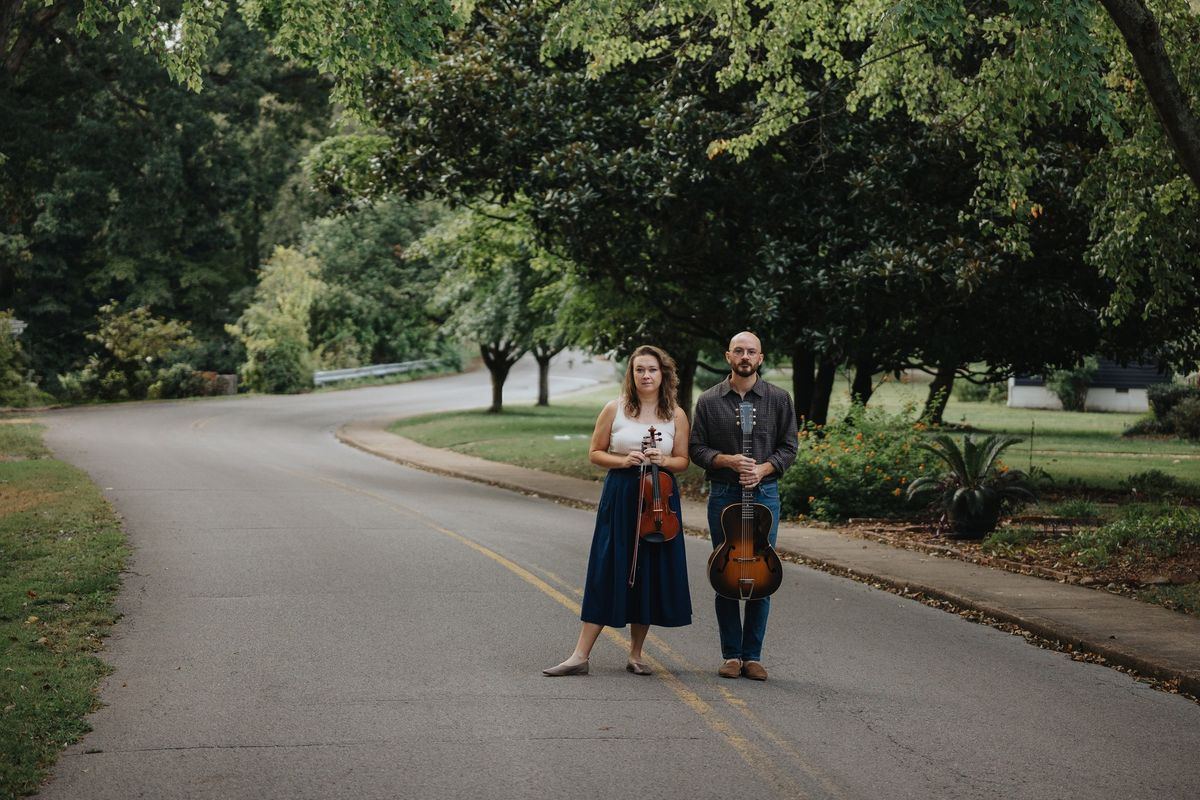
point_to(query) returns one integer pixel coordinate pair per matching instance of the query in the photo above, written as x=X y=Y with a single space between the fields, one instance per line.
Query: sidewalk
x=1152 y=640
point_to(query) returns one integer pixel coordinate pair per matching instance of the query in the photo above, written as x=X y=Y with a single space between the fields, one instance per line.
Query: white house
x=1114 y=388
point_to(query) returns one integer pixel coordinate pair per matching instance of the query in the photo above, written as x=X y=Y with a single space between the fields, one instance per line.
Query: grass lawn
x=61 y=550
x=554 y=438
x=1084 y=448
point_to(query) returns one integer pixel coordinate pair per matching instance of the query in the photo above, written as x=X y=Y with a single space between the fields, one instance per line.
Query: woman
x=659 y=595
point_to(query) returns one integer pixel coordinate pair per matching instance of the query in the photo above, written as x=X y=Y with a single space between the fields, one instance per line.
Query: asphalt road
x=304 y=620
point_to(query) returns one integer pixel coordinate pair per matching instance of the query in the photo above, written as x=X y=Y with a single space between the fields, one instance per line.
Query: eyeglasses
x=744 y=351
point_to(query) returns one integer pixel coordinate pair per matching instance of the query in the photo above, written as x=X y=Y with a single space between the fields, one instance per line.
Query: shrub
x=969 y=392
x=973 y=485
x=274 y=327
x=1071 y=385
x=1147 y=532
x=180 y=380
x=1148 y=425
x=281 y=366
x=856 y=467
x=1184 y=418
x=138 y=350
x=1164 y=397
x=1154 y=483
x=17 y=387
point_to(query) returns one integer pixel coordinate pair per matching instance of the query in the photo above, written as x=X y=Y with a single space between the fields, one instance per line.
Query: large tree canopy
x=119 y=185
x=996 y=73
x=347 y=41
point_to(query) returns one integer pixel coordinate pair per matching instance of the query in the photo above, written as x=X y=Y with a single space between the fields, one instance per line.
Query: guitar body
x=745 y=566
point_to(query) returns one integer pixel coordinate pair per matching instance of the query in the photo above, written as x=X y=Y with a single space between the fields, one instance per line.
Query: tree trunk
x=543 y=363
x=498 y=358
x=542 y=354
x=1143 y=38
x=686 y=364
x=939 y=394
x=863 y=386
x=803 y=383
x=818 y=412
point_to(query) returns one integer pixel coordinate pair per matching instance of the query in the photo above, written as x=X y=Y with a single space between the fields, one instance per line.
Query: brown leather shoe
x=754 y=671
x=732 y=668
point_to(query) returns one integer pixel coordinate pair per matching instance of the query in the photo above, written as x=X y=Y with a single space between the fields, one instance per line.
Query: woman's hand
x=655 y=456
x=635 y=459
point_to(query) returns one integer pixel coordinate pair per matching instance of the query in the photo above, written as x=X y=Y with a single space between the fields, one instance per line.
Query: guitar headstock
x=745 y=416
x=651 y=439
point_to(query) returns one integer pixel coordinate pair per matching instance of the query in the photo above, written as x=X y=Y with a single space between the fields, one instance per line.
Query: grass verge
x=61 y=553
x=552 y=438
x=1080 y=450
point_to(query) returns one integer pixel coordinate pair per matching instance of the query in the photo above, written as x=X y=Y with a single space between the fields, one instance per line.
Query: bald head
x=745 y=339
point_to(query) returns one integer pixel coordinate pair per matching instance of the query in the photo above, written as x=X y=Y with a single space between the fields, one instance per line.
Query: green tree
x=494 y=285
x=326 y=35
x=615 y=172
x=118 y=184
x=996 y=73
x=274 y=327
x=141 y=354
x=372 y=309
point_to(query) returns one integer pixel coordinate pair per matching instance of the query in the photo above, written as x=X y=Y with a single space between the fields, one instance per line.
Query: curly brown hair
x=667 y=390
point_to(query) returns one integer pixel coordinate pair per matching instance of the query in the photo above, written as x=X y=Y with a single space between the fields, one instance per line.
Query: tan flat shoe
x=563 y=670
x=638 y=668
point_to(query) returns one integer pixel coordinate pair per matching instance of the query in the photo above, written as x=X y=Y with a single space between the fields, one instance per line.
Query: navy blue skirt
x=660 y=593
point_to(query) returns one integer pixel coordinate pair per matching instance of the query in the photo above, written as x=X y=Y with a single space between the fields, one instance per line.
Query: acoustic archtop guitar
x=745 y=566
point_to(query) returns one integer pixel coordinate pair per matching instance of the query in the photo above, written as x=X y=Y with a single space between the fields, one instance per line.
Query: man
x=716 y=445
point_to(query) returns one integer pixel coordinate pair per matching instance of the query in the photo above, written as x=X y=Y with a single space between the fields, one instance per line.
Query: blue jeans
x=741 y=640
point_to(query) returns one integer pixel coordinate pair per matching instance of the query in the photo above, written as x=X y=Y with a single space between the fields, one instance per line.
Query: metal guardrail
x=372 y=371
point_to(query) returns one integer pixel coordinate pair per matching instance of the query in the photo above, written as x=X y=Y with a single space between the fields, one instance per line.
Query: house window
x=1123 y=390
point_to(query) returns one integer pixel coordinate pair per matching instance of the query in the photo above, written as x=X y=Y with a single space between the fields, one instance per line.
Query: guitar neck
x=747 y=492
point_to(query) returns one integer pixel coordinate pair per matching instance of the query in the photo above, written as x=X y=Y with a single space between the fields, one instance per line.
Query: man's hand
x=756 y=474
x=739 y=464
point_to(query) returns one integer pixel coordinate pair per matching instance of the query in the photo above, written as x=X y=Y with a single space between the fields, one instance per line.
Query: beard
x=744 y=370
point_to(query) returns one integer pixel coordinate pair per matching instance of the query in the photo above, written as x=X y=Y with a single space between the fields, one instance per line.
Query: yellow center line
x=682 y=662
x=783 y=744
x=759 y=765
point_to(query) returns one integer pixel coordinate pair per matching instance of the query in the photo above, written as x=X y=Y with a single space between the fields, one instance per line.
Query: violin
x=745 y=566
x=657 y=522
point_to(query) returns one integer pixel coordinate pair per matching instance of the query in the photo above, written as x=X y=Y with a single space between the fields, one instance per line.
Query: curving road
x=304 y=620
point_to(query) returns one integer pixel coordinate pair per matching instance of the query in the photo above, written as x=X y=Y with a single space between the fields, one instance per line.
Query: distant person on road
x=659 y=594
x=716 y=446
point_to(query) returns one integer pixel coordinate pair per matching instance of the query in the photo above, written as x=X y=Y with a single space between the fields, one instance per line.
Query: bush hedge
x=858 y=466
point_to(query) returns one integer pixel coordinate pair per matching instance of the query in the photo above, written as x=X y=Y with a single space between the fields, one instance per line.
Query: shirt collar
x=727 y=387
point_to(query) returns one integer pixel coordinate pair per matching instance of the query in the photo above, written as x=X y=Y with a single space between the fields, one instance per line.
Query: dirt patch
x=13 y=500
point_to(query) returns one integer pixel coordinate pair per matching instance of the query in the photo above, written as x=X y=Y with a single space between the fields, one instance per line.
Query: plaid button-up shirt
x=715 y=429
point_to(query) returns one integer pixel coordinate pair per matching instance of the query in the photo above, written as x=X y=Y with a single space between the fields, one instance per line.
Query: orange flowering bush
x=857 y=467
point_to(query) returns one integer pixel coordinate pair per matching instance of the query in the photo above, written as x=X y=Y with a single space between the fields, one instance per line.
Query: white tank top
x=627 y=434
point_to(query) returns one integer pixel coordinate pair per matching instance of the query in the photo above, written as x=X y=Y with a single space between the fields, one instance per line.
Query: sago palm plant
x=974 y=485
